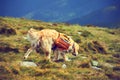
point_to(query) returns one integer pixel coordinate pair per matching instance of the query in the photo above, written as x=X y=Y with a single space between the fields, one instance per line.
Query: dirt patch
x=117 y=55
x=7 y=48
x=97 y=47
x=7 y=30
x=113 y=76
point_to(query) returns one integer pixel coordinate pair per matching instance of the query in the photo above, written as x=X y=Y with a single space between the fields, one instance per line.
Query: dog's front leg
x=48 y=56
x=65 y=57
x=56 y=55
x=28 y=52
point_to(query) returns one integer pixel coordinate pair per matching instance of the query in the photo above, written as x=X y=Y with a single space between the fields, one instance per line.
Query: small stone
x=28 y=64
x=64 y=66
x=94 y=63
x=80 y=33
x=96 y=68
x=84 y=57
x=24 y=37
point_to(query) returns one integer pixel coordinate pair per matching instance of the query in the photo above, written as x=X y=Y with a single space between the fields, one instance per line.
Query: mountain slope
x=98 y=57
x=64 y=10
x=107 y=17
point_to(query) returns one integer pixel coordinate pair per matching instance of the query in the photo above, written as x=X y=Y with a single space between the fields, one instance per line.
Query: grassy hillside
x=98 y=59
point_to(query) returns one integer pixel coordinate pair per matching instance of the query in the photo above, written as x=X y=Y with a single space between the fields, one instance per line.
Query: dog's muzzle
x=74 y=54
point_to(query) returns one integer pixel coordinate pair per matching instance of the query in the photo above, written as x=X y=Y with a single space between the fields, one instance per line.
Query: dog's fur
x=46 y=39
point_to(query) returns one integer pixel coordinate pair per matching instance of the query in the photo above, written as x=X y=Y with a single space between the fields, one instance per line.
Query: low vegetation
x=98 y=59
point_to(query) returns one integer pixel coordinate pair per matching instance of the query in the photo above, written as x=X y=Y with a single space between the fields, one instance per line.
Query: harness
x=62 y=42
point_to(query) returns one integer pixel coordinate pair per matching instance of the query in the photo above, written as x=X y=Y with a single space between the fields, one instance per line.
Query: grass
x=93 y=41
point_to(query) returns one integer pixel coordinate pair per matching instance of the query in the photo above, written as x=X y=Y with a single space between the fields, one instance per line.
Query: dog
x=46 y=40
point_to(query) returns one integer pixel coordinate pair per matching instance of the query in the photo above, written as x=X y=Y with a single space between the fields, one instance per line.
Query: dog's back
x=49 y=33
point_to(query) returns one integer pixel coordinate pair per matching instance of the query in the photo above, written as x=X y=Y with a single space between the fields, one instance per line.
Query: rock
x=96 y=68
x=24 y=37
x=80 y=33
x=64 y=66
x=28 y=64
x=94 y=63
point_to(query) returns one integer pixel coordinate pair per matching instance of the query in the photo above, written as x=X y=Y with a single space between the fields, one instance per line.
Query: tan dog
x=46 y=39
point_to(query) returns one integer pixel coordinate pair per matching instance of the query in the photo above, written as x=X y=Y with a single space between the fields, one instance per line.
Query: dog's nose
x=74 y=54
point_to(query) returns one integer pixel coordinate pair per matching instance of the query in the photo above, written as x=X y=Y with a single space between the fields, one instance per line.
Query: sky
x=22 y=7
x=53 y=10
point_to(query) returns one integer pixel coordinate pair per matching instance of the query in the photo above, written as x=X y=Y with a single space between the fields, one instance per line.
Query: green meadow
x=98 y=59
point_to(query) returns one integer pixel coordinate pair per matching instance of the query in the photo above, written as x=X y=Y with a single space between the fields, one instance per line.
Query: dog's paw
x=24 y=57
x=68 y=60
x=54 y=60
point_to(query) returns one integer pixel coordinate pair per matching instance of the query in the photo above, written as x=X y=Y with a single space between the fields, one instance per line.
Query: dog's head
x=74 y=48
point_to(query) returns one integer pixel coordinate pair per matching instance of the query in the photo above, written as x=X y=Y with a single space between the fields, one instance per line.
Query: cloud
x=62 y=3
x=29 y=15
x=72 y=14
x=110 y=8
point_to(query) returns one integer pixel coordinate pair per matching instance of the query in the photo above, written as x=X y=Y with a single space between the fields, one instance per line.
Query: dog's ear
x=31 y=29
x=69 y=36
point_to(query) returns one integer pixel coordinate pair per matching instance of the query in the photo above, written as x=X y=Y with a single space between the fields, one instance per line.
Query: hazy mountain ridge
x=107 y=17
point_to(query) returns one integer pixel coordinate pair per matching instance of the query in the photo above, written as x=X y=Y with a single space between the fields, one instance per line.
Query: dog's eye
x=70 y=50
